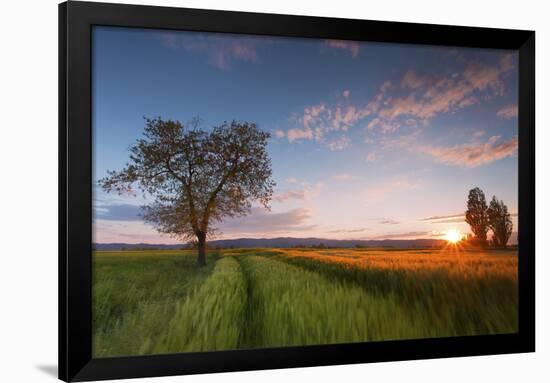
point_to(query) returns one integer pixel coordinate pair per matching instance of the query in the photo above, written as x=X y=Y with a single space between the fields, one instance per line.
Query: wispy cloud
x=387 y=221
x=292 y=194
x=279 y=133
x=384 y=125
x=411 y=103
x=510 y=111
x=118 y=212
x=403 y=141
x=344 y=177
x=427 y=96
x=478 y=134
x=109 y=231
x=262 y=221
x=348 y=231
x=404 y=235
x=413 y=80
x=351 y=46
x=219 y=51
x=450 y=218
x=439 y=217
x=322 y=119
x=474 y=154
x=318 y=121
x=339 y=143
x=306 y=191
x=371 y=157
x=296 y=134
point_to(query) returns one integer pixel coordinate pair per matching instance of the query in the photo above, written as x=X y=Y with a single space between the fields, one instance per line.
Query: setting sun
x=453 y=236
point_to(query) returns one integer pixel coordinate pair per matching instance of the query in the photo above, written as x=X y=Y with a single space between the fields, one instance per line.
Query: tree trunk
x=201 y=259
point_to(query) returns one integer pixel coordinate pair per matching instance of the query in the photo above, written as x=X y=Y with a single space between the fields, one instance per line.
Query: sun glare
x=453 y=236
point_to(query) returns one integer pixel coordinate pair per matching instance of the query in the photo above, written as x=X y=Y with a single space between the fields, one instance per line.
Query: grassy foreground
x=148 y=302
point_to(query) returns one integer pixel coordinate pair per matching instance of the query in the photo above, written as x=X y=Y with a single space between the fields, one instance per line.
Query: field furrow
x=293 y=306
x=213 y=317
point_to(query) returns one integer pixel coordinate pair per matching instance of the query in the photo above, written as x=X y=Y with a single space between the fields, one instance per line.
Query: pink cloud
x=508 y=62
x=467 y=102
x=106 y=231
x=219 y=51
x=450 y=218
x=385 y=86
x=261 y=222
x=299 y=134
x=292 y=194
x=429 y=96
x=404 y=235
x=371 y=157
x=388 y=221
x=348 y=231
x=279 y=133
x=350 y=46
x=306 y=192
x=472 y=155
x=510 y=111
x=319 y=120
x=344 y=117
x=344 y=177
x=413 y=81
x=339 y=143
x=412 y=103
x=405 y=141
x=482 y=77
x=312 y=115
x=243 y=51
x=384 y=125
x=478 y=134
x=441 y=97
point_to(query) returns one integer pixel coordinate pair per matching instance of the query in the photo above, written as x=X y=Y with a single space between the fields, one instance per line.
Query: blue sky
x=368 y=140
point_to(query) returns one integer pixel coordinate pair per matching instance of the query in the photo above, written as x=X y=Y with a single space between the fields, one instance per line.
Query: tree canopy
x=500 y=222
x=483 y=218
x=476 y=215
x=197 y=178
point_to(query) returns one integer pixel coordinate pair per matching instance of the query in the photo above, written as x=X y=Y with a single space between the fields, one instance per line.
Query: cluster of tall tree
x=494 y=217
x=196 y=177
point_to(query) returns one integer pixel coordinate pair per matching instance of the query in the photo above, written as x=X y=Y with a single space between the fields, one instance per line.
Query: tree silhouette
x=476 y=215
x=499 y=222
x=197 y=178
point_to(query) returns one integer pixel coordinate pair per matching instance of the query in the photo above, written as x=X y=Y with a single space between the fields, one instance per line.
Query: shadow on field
x=48 y=369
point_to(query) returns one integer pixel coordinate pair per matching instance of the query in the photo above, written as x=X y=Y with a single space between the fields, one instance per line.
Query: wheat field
x=148 y=302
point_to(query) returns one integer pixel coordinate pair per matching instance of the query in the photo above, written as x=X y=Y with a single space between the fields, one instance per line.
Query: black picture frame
x=75 y=190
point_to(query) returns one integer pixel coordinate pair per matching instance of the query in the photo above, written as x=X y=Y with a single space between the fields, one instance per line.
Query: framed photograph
x=247 y=191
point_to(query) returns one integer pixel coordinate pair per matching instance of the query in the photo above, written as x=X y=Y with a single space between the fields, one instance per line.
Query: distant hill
x=136 y=246
x=285 y=242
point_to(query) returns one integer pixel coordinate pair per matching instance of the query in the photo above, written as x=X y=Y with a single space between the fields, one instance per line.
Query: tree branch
x=214 y=194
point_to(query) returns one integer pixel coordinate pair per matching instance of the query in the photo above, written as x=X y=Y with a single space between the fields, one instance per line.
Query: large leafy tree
x=476 y=215
x=500 y=222
x=196 y=178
